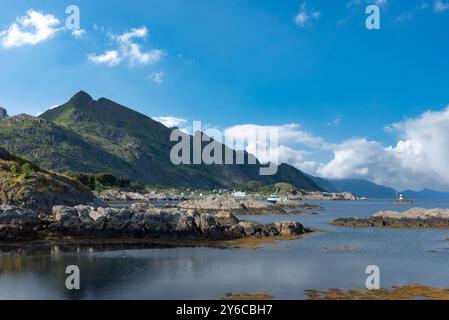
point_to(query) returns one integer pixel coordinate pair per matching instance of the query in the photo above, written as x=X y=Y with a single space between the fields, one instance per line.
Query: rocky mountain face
x=92 y=136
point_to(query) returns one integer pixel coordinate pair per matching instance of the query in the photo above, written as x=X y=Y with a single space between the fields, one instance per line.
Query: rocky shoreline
x=247 y=206
x=121 y=195
x=139 y=221
x=415 y=218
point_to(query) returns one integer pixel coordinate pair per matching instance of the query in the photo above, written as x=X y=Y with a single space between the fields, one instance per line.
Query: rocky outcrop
x=17 y=224
x=25 y=185
x=295 y=204
x=137 y=221
x=343 y=196
x=413 y=218
x=246 y=206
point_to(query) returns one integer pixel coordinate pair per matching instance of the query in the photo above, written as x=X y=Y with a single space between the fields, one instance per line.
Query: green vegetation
x=101 y=181
x=23 y=183
x=93 y=136
x=281 y=188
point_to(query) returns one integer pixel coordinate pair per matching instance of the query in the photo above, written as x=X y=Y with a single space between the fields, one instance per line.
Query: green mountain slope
x=87 y=135
x=56 y=148
x=25 y=184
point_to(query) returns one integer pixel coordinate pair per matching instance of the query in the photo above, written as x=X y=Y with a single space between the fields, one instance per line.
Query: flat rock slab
x=411 y=219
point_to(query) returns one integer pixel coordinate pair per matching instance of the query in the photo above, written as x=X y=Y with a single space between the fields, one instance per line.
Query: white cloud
x=288 y=133
x=255 y=139
x=418 y=160
x=157 y=77
x=410 y=15
x=380 y=3
x=129 y=50
x=304 y=16
x=31 y=29
x=109 y=58
x=78 y=33
x=170 y=121
x=440 y=6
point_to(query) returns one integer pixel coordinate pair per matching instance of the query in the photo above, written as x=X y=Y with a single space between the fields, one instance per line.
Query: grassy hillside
x=92 y=136
x=25 y=184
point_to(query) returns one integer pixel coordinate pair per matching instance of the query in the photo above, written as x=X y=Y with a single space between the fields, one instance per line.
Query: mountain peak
x=82 y=97
x=3 y=113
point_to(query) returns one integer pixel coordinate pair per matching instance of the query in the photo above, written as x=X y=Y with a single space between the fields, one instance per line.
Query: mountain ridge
x=87 y=135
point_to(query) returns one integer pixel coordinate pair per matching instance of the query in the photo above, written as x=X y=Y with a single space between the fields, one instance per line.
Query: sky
x=348 y=102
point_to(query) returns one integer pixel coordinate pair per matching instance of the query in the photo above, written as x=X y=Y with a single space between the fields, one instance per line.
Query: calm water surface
x=334 y=258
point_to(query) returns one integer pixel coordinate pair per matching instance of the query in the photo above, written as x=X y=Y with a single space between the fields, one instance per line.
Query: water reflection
x=336 y=258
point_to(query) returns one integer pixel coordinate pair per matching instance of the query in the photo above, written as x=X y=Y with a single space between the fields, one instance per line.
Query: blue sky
x=229 y=63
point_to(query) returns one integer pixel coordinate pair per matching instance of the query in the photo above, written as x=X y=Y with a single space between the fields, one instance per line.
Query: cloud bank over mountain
x=419 y=159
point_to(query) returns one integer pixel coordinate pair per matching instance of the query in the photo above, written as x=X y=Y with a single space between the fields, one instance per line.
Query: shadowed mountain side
x=87 y=135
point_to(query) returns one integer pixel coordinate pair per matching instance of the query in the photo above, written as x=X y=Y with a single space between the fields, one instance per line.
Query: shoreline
x=242 y=243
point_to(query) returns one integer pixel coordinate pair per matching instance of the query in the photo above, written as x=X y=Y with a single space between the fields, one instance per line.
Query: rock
x=413 y=218
x=119 y=195
x=295 y=204
x=246 y=206
x=17 y=223
x=142 y=207
x=345 y=196
x=226 y=218
x=40 y=190
x=67 y=217
x=204 y=221
x=138 y=221
x=286 y=228
x=302 y=213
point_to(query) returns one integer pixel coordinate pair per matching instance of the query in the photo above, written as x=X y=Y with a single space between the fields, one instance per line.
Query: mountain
x=368 y=189
x=425 y=194
x=54 y=147
x=92 y=136
x=364 y=188
x=358 y=187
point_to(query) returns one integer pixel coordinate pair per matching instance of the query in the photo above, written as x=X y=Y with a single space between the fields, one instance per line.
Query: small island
x=418 y=218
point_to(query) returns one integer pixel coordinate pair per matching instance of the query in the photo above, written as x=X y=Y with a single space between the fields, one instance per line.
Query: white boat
x=273 y=198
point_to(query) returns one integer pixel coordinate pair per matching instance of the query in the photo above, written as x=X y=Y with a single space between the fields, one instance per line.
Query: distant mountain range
x=92 y=136
x=368 y=189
